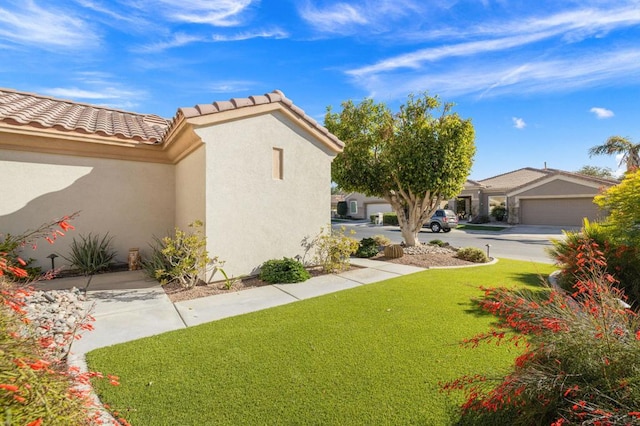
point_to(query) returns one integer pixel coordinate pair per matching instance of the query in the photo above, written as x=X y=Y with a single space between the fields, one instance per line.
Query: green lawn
x=370 y=355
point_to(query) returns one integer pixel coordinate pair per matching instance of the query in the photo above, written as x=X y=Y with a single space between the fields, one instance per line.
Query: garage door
x=558 y=212
x=375 y=208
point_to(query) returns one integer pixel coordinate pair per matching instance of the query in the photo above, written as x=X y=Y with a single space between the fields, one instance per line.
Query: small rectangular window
x=278 y=168
x=353 y=207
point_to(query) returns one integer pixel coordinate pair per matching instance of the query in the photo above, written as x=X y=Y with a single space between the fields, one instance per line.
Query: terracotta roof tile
x=28 y=109
x=237 y=103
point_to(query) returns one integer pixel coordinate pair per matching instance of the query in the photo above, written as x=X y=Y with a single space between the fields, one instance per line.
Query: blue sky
x=542 y=81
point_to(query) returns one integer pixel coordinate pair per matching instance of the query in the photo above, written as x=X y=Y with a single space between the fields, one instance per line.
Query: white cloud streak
x=218 y=13
x=351 y=17
x=518 y=123
x=544 y=55
x=47 y=28
x=485 y=79
x=274 y=33
x=602 y=113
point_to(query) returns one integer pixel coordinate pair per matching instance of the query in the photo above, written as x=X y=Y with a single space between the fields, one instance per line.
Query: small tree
x=601 y=172
x=412 y=159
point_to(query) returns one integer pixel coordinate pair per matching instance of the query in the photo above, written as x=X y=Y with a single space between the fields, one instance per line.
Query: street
x=518 y=242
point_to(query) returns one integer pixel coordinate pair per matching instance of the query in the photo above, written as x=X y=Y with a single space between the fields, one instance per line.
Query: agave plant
x=91 y=254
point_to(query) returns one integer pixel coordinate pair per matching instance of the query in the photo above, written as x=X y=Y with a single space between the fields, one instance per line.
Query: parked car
x=442 y=220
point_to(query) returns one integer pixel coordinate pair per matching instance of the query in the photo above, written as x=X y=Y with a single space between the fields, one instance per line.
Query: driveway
x=520 y=242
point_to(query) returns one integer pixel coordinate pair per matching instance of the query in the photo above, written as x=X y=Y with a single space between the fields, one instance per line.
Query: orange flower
x=10 y=388
x=37 y=422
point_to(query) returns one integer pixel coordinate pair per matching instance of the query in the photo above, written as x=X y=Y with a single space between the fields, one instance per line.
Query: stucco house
x=530 y=196
x=255 y=170
x=534 y=196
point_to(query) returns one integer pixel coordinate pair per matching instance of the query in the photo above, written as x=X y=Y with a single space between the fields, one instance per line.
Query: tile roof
x=515 y=178
x=27 y=109
x=20 y=108
x=267 y=98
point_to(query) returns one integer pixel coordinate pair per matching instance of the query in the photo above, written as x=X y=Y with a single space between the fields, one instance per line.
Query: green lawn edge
x=375 y=354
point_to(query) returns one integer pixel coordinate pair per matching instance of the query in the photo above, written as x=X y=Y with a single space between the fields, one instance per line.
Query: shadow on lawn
x=539 y=293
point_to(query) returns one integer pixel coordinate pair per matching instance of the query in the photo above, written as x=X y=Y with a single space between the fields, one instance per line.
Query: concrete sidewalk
x=128 y=306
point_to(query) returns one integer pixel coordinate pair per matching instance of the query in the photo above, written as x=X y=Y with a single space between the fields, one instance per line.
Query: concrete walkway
x=128 y=306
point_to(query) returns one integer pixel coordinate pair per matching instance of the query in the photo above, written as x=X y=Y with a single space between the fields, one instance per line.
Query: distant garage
x=558 y=211
x=375 y=208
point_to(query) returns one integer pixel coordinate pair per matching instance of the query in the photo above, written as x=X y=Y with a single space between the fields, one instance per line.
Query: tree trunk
x=410 y=219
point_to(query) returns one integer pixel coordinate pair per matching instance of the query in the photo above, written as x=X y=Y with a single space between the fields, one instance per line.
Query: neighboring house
x=255 y=170
x=361 y=206
x=530 y=196
x=537 y=196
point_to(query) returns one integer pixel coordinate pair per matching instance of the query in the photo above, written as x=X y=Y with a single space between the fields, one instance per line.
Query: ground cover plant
x=370 y=355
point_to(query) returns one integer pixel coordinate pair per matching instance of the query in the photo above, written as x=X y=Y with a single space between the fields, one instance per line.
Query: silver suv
x=442 y=220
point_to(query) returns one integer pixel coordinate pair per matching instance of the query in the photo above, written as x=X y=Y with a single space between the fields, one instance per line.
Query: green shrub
x=499 y=212
x=182 y=258
x=368 y=248
x=285 y=270
x=472 y=254
x=381 y=240
x=90 y=255
x=342 y=209
x=438 y=243
x=333 y=249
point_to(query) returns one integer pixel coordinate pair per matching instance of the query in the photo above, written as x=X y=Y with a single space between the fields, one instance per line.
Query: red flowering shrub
x=37 y=387
x=622 y=259
x=580 y=360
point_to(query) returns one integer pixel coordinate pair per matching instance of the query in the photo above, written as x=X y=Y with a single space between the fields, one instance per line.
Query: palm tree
x=619 y=145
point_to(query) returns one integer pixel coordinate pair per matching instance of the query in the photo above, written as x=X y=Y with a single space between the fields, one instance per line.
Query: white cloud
x=274 y=33
x=602 y=112
x=98 y=88
x=350 y=17
x=45 y=27
x=219 y=13
x=498 y=36
x=177 y=40
x=230 y=86
x=509 y=75
x=518 y=123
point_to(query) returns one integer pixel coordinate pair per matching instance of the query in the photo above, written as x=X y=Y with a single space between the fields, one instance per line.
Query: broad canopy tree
x=413 y=159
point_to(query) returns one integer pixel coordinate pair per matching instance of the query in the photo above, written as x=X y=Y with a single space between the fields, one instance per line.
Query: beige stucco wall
x=130 y=200
x=190 y=188
x=252 y=217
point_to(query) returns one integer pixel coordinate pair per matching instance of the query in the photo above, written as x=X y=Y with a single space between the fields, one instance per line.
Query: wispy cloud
x=602 y=112
x=98 y=88
x=350 y=17
x=231 y=86
x=274 y=33
x=518 y=123
x=218 y=13
x=491 y=78
x=498 y=36
x=45 y=27
x=177 y=40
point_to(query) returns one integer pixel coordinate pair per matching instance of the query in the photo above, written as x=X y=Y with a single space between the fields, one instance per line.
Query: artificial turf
x=369 y=355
